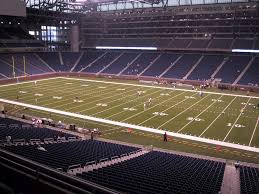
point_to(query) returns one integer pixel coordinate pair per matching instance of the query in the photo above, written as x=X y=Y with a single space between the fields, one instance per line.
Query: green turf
x=184 y=112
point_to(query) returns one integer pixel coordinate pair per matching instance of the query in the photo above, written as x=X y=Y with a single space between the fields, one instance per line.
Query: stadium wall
x=166 y=81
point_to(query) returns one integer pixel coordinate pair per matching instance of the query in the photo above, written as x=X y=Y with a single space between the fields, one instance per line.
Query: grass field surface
x=214 y=116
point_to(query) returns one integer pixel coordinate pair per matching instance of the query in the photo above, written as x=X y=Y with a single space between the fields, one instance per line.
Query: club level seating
x=63 y=155
x=206 y=67
x=159 y=66
x=118 y=65
x=157 y=172
x=221 y=43
x=249 y=179
x=199 y=43
x=181 y=68
x=251 y=76
x=243 y=44
x=232 y=68
x=140 y=64
x=20 y=130
x=102 y=62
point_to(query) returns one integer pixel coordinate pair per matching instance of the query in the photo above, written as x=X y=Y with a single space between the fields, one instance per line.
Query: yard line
x=163 y=111
x=254 y=131
x=160 y=87
x=128 y=102
x=30 y=86
x=92 y=96
x=72 y=93
x=217 y=117
x=155 y=106
x=183 y=111
x=135 y=105
x=25 y=82
x=236 y=120
x=113 y=100
x=199 y=114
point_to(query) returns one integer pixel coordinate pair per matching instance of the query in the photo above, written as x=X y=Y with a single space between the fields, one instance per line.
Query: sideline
x=179 y=135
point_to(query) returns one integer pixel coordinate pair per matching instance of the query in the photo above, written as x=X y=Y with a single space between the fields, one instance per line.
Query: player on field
x=149 y=101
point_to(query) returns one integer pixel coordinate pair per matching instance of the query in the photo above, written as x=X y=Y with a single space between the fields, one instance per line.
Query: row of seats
x=157 y=172
x=249 y=180
x=63 y=155
x=167 y=65
x=217 y=43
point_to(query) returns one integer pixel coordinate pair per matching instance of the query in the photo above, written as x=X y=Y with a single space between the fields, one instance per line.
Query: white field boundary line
x=165 y=109
x=135 y=105
x=199 y=114
x=92 y=95
x=236 y=120
x=168 y=121
x=77 y=119
x=46 y=92
x=126 y=125
x=254 y=131
x=160 y=87
x=125 y=102
x=13 y=89
x=217 y=116
x=102 y=100
x=32 y=81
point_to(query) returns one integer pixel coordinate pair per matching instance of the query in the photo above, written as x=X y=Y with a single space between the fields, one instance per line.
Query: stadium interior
x=129 y=96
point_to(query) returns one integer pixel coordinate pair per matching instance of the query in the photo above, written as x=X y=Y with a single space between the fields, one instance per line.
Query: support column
x=74 y=38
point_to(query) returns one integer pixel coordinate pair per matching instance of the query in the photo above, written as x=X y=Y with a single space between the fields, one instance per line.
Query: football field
x=219 y=116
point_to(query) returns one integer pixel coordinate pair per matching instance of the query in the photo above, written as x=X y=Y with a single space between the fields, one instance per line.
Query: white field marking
x=103 y=100
x=126 y=96
x=135 y=105
x=30 y=81
x=217 y=117
x=159 y=127
x=38 y=94
x=78 y=100
x=23 y=92
x=160 y=87
x=164 y=94
x=60 y=91
x=199 y=114
x=101 y=104
x=254 y=131
x=69 y=83
x=126 y=125
x=160 y=114
x=84 y=85
x=236 y=120
x=165 y=109
x=86 y=94
x=129 y=109
x=38 y=87
x=57 y=97
x=77 y=119
x=119 y=104
x=120 y=89
x=102 y=87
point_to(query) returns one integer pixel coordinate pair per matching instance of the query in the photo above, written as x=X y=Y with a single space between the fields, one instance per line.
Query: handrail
x=41 y=172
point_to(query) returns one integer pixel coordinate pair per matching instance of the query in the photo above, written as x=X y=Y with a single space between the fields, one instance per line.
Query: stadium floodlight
x=244 y=51
x=126 y=48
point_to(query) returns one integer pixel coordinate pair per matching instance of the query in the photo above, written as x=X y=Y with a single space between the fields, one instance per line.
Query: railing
x=54 y=179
